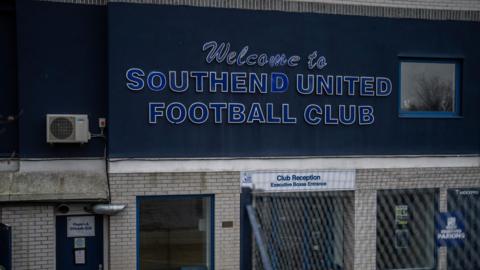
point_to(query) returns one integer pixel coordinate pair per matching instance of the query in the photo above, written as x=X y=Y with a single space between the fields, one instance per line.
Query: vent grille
x=62 y=128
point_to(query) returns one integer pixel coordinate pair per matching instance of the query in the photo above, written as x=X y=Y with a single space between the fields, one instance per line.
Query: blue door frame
x=245 y=230
x=5 y=246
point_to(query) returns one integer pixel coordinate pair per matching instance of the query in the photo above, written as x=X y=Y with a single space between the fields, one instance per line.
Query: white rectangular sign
x=81 y=226
x=299 y=181
x=80 y=256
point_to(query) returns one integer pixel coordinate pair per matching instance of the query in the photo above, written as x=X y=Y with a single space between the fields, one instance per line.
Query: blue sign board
x=207 y=82
x=450 y=229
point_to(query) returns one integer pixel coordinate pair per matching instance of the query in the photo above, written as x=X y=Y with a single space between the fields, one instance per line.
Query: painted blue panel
x=164 y=38
x=8 y=81
x=62 y=69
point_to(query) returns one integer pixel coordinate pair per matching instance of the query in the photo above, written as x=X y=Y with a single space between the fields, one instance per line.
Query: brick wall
x=426 y=4
x=369 y=181
x=225 y=186
x=426 y=9
x=33 y=233
x=34 y=225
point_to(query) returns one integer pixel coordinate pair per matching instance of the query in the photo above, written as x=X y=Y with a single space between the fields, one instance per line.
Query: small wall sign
x=80 y=256
x=450 y=229
x=299 y=181
x=79 y=242
x=401 y=214
x=80 y=226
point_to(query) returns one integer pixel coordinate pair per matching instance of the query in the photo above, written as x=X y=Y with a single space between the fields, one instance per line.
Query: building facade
x=239 y=135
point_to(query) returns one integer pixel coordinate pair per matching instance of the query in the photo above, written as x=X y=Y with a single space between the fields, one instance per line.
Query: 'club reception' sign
x=299 y=181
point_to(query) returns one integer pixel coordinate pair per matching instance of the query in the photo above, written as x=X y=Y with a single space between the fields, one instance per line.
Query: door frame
x=79 y=210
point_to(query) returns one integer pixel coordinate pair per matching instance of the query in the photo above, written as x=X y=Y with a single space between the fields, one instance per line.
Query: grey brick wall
x=426 y=9
x=34 y=225
x=442 y=252
x=426 y=4
x=369 y=181
x=365 y=229
x=33 y=236
x=225 y=186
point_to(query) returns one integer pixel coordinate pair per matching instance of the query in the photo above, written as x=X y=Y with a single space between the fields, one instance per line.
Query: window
x=306 y=230
x=175 y=233
x=465 y=256
x=406 y=229
x=429 y=88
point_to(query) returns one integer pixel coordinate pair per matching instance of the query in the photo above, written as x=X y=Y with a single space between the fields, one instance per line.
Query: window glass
x=175 y=233
x=306 y=230
x=406 y=229
x=429 y=87
x=465 y=256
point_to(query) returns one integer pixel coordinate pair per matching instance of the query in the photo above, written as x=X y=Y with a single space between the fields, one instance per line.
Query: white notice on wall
x=299 y=181
x=81 y=226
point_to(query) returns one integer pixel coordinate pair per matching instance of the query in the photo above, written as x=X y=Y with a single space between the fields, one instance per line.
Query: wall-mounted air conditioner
x=67 y=128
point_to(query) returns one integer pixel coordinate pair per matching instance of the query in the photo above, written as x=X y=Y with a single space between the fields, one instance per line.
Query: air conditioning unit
x=67 y=128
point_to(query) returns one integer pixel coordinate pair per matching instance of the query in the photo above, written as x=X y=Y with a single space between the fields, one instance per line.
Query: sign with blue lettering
x=299 y=181
x=237 y=83
x=450 y=229
x=221 y=83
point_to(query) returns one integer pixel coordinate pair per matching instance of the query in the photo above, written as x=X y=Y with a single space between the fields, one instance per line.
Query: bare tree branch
x=432 y=94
